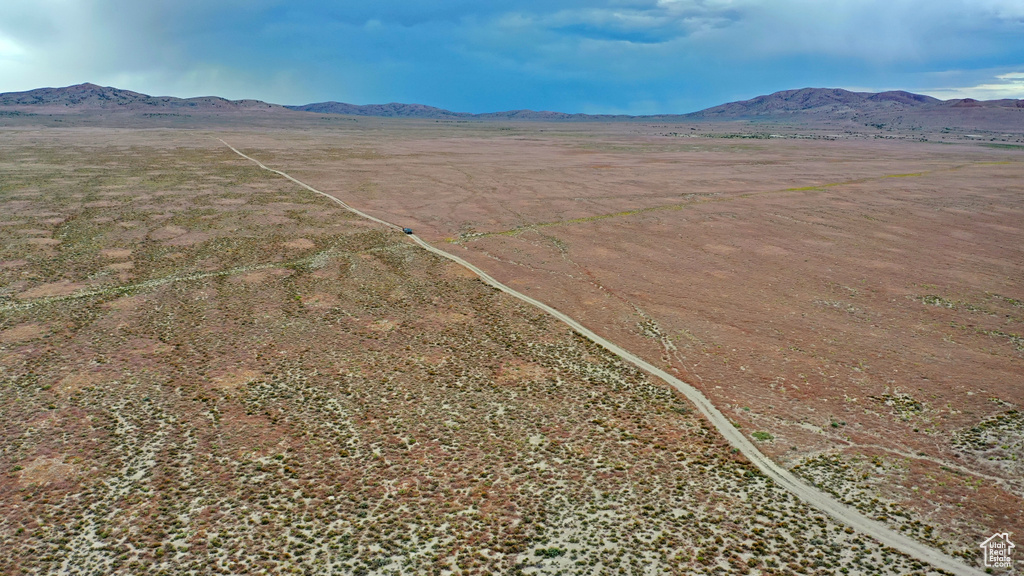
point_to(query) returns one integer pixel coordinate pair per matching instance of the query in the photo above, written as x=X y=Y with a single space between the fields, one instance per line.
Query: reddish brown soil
x=297 y=391
x=854 y=295
x=206 y=367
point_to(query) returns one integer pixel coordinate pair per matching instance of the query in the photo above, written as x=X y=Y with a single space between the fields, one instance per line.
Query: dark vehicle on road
x=407 y=230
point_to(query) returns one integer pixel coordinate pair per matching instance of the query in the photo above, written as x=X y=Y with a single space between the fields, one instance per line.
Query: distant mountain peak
x=802 y=105
x=389 y=110
x=89 y=96
x=833 y=101
x=783 y=103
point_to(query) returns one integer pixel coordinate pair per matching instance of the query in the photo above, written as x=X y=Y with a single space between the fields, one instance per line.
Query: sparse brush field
x=843 y=296
x=206 y=370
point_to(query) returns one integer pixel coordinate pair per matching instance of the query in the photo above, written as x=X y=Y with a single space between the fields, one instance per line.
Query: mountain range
x=838 y=102
x=399 y=110
x=787 y=103
x=88 y=97
x=803 y=105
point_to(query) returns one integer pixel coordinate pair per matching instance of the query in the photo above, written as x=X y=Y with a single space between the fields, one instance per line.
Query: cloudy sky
x=632 y=56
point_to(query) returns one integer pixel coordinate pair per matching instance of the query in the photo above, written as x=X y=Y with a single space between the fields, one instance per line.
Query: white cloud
x=1006 y=85
x=10 y=50
x=483 y=55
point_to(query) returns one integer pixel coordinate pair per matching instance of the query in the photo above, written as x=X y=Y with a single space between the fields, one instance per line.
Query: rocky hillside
x=85 y=97
x=808 y=106
x=836 y=102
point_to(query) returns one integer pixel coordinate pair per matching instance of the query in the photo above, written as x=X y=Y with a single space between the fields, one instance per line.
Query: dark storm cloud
x=616 y=55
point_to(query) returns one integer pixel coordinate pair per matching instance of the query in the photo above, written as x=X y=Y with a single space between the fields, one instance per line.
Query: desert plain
x=208 y=369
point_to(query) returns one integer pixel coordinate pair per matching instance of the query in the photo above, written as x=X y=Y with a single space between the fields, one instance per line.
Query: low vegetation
x=204 y=369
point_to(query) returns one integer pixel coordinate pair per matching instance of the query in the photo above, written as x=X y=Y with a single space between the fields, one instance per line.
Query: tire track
x=784 y=478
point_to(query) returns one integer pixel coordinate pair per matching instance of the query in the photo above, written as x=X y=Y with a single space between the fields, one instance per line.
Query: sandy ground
x=857 y=297
x=276 y=386
x=809 y=494
x=852 y=304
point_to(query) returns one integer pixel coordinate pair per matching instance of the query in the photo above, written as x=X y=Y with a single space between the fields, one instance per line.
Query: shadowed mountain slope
x=806 y=106
x=816 y=100
x=86 y=97
x=803 y=105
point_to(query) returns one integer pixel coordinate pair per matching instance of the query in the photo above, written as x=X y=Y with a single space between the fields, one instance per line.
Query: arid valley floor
x=205 y=368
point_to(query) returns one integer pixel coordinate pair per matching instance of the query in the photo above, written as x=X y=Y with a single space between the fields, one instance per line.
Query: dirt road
x=812 y=496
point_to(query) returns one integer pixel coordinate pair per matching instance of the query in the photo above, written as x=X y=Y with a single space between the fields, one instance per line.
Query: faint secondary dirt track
x=780 y=475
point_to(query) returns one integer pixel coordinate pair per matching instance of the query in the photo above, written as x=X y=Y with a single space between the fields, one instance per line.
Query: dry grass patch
x=300 y=244
x=167 y=232
x=235 y=378
x=22 y=332
x=45 y=470
x=79 y=380
x=62 y=288
x=116 y=253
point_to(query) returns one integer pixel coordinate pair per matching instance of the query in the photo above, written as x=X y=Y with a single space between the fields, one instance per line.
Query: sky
x=613 y=56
